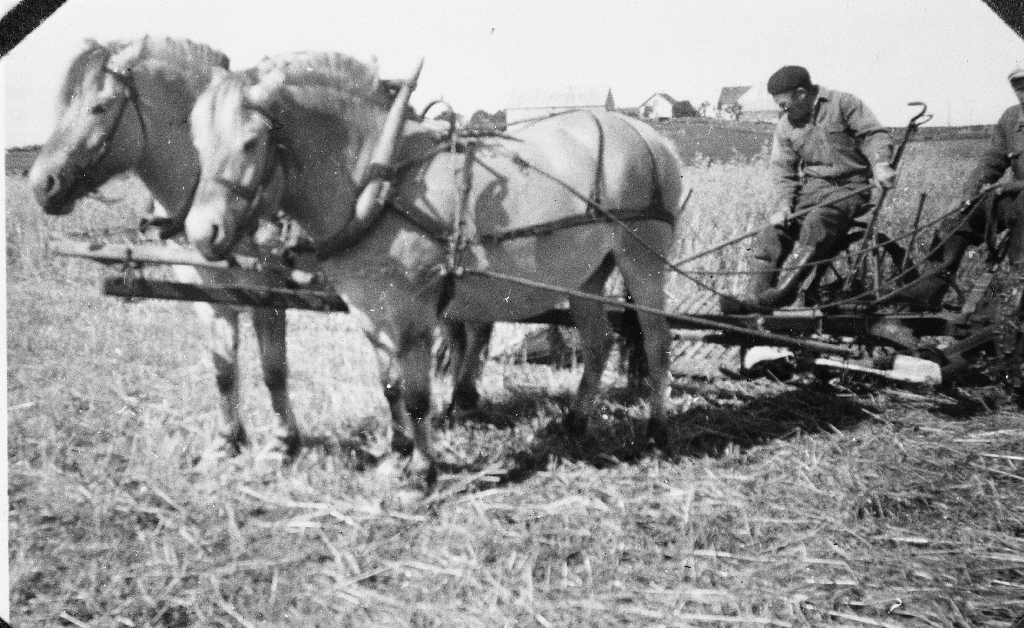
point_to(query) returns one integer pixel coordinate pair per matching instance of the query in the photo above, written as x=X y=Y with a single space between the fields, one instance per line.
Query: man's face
x=1018 y=89
x=797 y=103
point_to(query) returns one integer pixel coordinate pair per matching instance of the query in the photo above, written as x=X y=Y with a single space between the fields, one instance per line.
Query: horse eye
x=250 y=145
x=99 y=109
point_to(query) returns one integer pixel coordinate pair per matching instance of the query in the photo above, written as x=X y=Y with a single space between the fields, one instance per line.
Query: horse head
x=100 y=130
x=124 y=106
x=303 y=125
x=232 y=127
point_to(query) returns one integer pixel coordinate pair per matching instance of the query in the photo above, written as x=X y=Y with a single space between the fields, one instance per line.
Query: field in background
x=782 y=505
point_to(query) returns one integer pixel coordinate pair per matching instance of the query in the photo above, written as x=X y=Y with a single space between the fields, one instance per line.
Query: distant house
x=526 y=103
x=726 y=107
x=752 y=103
x=757 y=105
x=661 y=106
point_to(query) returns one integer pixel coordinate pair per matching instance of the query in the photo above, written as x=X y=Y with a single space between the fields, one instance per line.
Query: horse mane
x=330 y=83
x=185 y=54
x=324 y=69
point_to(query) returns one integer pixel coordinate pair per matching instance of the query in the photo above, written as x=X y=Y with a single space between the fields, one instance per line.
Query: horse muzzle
x=55 y=191
x=211 y=237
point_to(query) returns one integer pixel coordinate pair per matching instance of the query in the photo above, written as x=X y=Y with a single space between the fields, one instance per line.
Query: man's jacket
x=1003 y=152
x=840 y=144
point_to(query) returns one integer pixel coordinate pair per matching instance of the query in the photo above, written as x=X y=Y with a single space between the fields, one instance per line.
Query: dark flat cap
x=788 y=78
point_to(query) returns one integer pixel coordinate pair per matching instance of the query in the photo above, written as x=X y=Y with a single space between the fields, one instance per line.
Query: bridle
x=252 y=192
x=168 y=227
x=128 y=82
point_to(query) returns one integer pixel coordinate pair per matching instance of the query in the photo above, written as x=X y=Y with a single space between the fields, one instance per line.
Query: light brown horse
x=308 y=126
x=124 y=107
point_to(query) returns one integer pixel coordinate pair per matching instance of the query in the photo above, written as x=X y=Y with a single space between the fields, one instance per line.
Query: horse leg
x=633 y=351
x=380 y=436
x=402 y=441
x=414 y=357
x=271 y=330
x=222 y=322
x=596 y=339
x=469 y=367
x=647 y=288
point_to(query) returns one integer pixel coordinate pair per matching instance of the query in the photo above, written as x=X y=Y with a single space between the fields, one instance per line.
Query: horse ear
x=122 y=60
x=217 y=74
x=262 y=92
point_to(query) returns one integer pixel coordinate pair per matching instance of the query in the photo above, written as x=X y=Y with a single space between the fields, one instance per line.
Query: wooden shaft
x=247 y=296
x=157 y=254
x=697 y=321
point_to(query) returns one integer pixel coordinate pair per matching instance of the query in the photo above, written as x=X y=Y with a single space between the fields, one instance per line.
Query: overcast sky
x=952 y=54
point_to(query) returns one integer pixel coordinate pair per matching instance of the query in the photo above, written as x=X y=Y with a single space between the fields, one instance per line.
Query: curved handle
x=917 y=119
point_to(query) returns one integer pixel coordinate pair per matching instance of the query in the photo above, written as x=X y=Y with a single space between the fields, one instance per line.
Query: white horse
x=309 y=126
x=124 y=107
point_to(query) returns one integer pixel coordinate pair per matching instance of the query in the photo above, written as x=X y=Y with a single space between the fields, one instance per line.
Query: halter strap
x=251 y=194
x=168 y=227
x=133 y=97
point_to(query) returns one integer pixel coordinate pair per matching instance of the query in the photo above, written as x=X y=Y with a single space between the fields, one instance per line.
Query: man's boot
x=763 y=275
x=792 y=280
x=936 y=276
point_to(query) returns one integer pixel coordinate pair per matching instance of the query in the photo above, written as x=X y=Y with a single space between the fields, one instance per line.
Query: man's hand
x=1008 y=187
x=884 y=175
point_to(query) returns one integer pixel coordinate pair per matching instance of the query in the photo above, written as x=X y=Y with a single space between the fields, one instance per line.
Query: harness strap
x=458 y=239
x=133 y=98
x=653 y=212
x=599 y=171
x=442 y=232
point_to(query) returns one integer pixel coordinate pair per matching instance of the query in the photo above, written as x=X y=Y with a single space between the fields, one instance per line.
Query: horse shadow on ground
x=523 y=434
x=705 y=420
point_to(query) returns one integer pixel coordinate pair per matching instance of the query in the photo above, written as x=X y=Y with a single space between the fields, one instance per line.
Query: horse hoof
x=422 y=473
x=575 y=423
x=465 y=399
x=657 y=433
x=287 y=446
x=229 y=445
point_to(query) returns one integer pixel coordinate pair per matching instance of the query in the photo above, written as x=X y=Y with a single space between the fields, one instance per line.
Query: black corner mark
x=1011 y=12
x=4 y=624
x=1018 y=623
x=21 y=20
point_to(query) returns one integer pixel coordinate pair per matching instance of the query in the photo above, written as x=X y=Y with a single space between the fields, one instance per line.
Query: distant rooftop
x=564 y=96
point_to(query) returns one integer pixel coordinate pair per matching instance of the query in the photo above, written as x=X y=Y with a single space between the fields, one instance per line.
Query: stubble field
x=783 y=505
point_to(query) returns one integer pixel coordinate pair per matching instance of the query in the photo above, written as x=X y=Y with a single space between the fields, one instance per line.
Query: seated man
x=988 y=207
x=827 y=147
